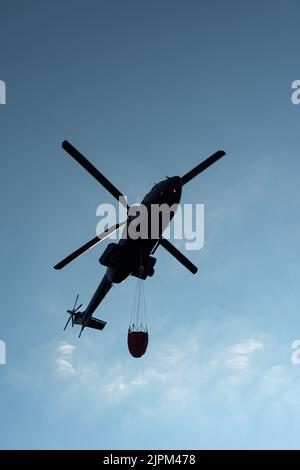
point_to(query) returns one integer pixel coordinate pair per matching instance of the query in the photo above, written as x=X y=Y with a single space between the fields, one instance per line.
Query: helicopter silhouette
x=131 y=256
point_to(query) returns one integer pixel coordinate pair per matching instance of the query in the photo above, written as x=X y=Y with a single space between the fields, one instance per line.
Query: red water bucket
x=137 y=342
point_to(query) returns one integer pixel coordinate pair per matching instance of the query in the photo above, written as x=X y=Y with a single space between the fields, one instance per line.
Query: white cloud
x=237 y=361
x=64 y=367
x=65 y=349
x=274 y=379
x=64 y=360
x=199 y=377
x=247 y=346
x=238 y=356
x=176 y=370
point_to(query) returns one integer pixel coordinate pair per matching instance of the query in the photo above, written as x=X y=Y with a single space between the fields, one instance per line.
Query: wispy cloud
x=65 y=349
x=247 y=347
x=202 y=379
x=239 y=355
x=237 y=361
x=177 y=371
x=64 y=367
x=64 y=359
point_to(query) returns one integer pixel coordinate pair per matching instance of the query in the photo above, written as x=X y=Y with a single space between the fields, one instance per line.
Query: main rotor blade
x=94 y=172
x=87 y=246
x=202 y=166
x=178 y=255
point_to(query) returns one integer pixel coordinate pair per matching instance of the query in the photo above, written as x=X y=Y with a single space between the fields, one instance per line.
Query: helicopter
x=130 y=256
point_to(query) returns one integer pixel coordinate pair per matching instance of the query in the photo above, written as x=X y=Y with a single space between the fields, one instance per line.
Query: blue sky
x=149 y=89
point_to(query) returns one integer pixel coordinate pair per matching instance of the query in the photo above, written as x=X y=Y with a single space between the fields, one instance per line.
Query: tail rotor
x=73 y=312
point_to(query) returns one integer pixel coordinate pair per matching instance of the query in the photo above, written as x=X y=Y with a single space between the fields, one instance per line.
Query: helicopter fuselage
x=132 y=256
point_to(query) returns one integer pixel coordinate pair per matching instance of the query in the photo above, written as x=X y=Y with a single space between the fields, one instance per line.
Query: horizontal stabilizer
x=96 y=324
